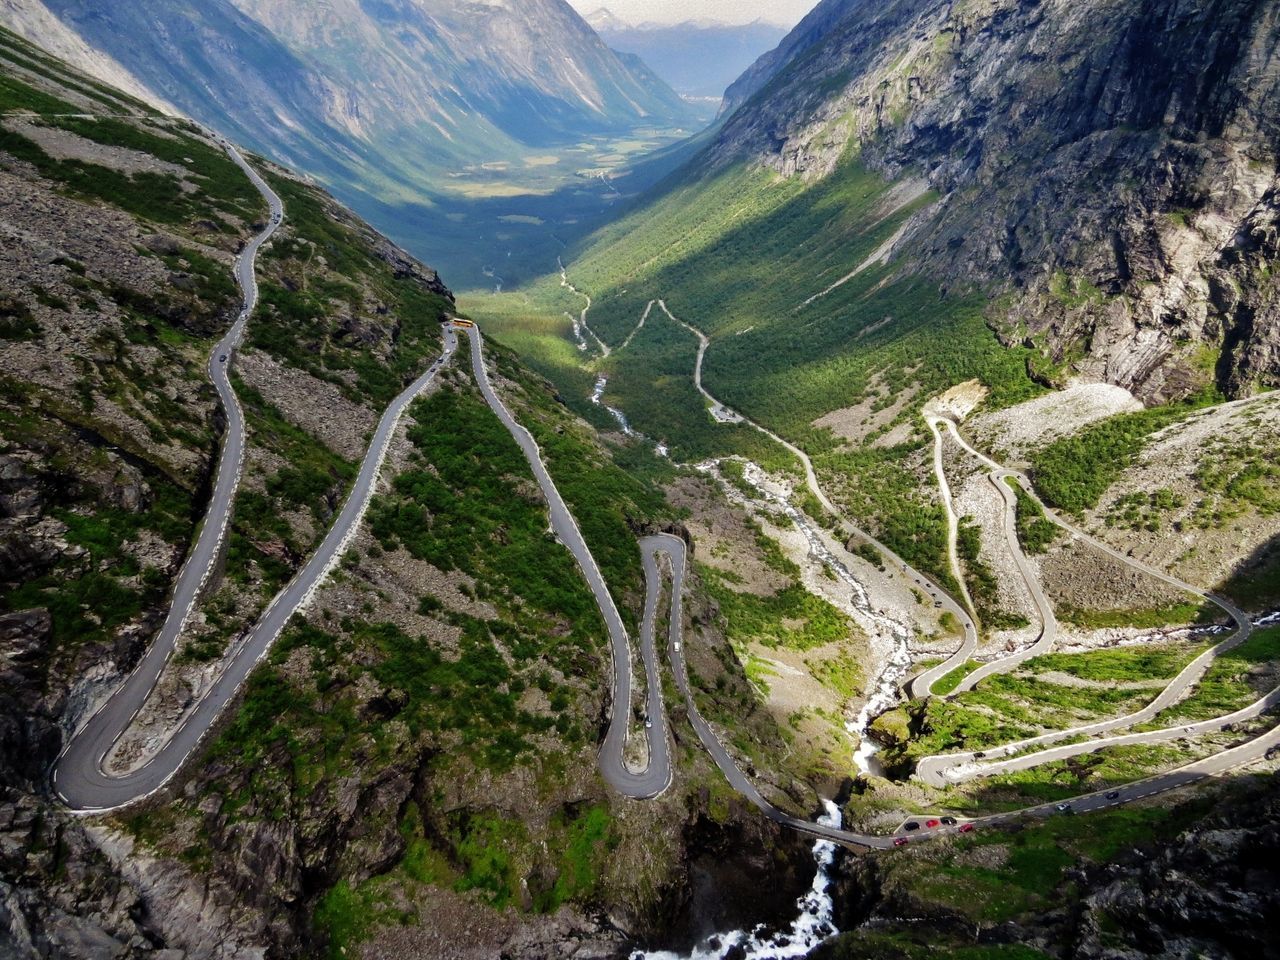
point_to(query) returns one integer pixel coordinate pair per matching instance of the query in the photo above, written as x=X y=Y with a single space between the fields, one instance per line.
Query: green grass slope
x=739 y=254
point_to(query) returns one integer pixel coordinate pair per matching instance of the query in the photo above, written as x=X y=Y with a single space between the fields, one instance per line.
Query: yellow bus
x=462 y=323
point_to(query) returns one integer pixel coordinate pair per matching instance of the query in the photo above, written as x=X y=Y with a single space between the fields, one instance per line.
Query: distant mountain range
x=699 y=58
x=387 y=101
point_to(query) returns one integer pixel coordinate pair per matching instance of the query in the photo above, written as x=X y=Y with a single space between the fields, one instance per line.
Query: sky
x=787 y=12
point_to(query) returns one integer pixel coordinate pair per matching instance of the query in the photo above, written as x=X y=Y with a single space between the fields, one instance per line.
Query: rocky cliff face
x=1113 y=165
x=1207 y=890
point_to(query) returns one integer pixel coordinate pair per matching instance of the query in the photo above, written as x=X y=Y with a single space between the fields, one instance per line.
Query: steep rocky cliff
x=1113 y=165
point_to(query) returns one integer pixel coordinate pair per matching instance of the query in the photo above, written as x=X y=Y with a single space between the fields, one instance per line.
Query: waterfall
x=814 y=924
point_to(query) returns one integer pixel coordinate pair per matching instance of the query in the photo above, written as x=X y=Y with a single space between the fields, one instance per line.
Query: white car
x=677 y=646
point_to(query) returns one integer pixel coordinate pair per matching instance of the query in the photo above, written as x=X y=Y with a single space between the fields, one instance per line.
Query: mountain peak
x=603 y=19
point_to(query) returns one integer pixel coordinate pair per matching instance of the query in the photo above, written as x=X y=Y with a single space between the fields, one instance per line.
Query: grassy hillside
x=737 y=254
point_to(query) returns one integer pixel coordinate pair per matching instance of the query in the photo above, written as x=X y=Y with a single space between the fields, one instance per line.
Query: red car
x=900 y=841
x=932 y=823
x=967 y=828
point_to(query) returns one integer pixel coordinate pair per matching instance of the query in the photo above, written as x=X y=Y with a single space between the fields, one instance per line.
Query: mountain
x=1137 y=168
x=814 y=29
x=945 y=355
x=604 y=19
x=395 y=105
x=422 y=739
x=697 y=58
x=1053 y=224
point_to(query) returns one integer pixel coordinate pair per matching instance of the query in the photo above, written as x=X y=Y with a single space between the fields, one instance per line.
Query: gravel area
x=1078 y=575
x=858 y=422
x=318 y=407
x=65 y=145
x=978 y=500
x=1016 y=431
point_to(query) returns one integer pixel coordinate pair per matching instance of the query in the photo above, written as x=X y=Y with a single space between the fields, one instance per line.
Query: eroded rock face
x=83 y=893
x=1114 y=165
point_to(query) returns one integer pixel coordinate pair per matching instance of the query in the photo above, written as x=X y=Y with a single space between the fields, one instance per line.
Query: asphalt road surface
x=674 y=550
x=942 y=769
x=656 y=776
x=79 y=777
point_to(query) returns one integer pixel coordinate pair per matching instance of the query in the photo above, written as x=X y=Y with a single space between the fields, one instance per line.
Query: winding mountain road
x=1044 y=609
x=953 y=527
x=942 y=769
x=656 y=776
x=674 y=550
x=923 y=683
x=79 y=775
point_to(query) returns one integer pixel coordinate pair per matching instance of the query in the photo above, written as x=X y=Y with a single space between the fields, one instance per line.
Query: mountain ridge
x=977 y=111
x=696 y=57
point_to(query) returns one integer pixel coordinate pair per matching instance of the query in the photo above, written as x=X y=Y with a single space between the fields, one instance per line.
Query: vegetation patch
x=1120 y=665
x=1073 y=472
x=792 y=617
x=1142 y=618
x=1235 y=679
x=1036 y=532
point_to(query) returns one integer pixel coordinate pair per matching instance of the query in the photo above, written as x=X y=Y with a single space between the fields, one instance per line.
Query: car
x=223 y=358
x=938 y=603
x=932 y=823
x=980 y=755
x=948 y=821
x=1113 y=795
x=967 y=828
x=648 y=722
x=677 y=646
x=1063 y=807
x=911 y=825
x=900 y=841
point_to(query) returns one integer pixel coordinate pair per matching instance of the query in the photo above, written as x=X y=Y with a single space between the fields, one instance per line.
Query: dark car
x=223 y=358
x=948 y=821
x=979 y=755
x=899 y=841
x=1113 y=795
x=911 y=825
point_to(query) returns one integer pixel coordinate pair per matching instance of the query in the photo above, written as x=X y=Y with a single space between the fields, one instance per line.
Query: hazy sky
x=787 y=12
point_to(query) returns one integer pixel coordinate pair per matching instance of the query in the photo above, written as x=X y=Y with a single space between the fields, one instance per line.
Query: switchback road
x=922 y=684
x=942 y=769
x=656 y=775
x=673 y=549
x=79 y=775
